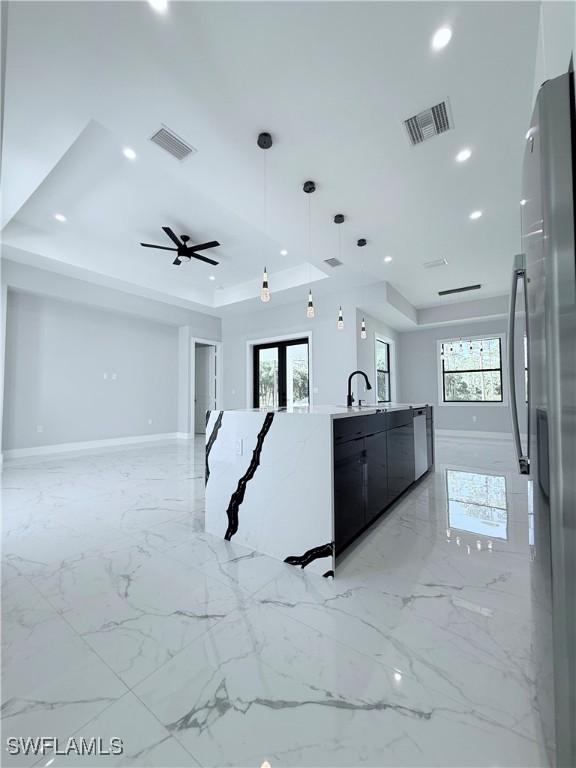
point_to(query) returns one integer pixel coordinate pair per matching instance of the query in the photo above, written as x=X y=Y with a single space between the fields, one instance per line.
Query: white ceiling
x=332 y=81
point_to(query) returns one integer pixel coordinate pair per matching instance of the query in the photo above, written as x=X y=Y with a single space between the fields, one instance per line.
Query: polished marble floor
x=122 y=618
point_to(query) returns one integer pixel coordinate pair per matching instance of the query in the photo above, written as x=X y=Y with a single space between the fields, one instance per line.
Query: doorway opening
x=205 y=383
x=281 y=376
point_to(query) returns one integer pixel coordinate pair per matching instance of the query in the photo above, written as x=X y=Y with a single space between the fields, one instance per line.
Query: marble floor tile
x=230 y=696
x=120 y=613
x=145 y=741
x=136 y=607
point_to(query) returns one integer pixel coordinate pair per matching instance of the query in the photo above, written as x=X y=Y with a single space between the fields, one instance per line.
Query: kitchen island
x=301 y=484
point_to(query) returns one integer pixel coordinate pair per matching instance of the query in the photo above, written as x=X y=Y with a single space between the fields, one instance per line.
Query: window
x=477 y=503
x=471 y=370
x=281 y=374
x=383 y=371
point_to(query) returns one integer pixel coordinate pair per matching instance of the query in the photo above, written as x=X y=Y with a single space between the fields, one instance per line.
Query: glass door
x=281 y=374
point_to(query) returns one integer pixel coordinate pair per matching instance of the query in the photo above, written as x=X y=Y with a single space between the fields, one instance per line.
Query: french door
x=281 y=374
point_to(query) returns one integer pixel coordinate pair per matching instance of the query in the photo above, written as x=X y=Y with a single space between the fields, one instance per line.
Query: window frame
x=381 y=340
x=281 y=344
x=502 y=369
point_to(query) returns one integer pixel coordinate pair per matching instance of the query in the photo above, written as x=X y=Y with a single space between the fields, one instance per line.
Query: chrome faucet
x=350 y=397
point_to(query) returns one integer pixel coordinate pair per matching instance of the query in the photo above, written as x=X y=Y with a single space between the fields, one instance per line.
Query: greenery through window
x=477 y=503
x=281 y=374
x=383 y=371
x=472 y=370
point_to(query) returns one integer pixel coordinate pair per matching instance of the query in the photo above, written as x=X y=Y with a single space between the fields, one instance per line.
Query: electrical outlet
x=105 y=375
x=474 y=419
x=39 y=428
x=114 y=376
x=149 y=421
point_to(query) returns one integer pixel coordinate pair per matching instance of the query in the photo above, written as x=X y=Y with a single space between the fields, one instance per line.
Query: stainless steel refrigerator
x=543 y=297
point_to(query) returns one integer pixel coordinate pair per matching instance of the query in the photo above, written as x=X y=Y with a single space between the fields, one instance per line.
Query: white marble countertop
x=334 y=411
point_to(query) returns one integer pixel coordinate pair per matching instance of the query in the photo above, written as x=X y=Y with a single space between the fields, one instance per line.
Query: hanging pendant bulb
x=340 y=323
x=265 y=142
x=363 y=333
x=265 y=290
x=309 y=187
x=310 y=308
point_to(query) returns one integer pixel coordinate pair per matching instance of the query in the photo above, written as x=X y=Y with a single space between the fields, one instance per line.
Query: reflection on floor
x=122 y=618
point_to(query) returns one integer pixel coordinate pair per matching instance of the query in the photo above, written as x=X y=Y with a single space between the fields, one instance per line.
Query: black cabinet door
x=377 y=497
x=349 y=491
x=400 y=459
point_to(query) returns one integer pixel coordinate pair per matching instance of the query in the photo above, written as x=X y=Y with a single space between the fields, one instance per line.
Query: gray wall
x=57 y=353
x=366 y=354
x=333 y=354
x=418 y=378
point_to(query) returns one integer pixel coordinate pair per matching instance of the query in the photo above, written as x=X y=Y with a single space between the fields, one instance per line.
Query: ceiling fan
x=183 y=250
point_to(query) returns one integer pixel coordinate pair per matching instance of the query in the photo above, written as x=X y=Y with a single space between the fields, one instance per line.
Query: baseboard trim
x=471 y=434
x=91 y=445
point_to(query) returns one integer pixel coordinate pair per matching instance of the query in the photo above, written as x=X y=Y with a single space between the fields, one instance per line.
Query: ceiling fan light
x=265 y=290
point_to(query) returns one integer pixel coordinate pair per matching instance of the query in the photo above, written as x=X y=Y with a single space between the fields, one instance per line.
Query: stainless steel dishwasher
x=420 y=443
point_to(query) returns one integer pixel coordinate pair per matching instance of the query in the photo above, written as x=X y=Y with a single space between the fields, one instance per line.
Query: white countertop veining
x=334 y=411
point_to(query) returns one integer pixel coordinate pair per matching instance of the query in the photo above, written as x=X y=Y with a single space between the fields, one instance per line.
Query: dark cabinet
x=373 y=465
x=377 y=494
x=349 y=490
x=400 y=459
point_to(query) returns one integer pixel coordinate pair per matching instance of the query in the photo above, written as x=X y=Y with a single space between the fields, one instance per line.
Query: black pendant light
x=310 y=187
x=265 y=142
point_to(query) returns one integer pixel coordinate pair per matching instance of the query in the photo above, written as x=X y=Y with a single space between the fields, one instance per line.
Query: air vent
x=173 y=144
x=429 y=123
x=333 y=262
x=435 y=263
x=460 y=290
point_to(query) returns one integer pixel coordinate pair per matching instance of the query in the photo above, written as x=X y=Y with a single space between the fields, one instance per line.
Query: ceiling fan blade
x=177 y=262
x=161 y=247
x=172 y=236
x=203 y=246
x=204 y=258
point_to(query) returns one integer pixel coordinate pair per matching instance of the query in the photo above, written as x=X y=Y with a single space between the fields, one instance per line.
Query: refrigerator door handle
x=519 y=272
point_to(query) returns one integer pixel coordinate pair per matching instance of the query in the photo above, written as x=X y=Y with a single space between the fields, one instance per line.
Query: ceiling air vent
x=173 y=144
x=333 y=262
x=460 y=290
x=435 y=263
x=429 y=123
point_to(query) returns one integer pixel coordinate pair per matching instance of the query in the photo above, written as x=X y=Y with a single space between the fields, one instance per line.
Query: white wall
x=333 y=352
x=366 y=355
x=419 y=380
x=147 y=331
x=556 y=40
x=81 y=373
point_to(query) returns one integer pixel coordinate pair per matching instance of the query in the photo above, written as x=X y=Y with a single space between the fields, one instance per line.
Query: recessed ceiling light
x=441 y=38
x=463 y=155
x=283 y=252
x=387 y=259
x=211 y=277
x=129 y=153
x=523 y=202
x=475 y=215
x=60 y=217
x=160 y=6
